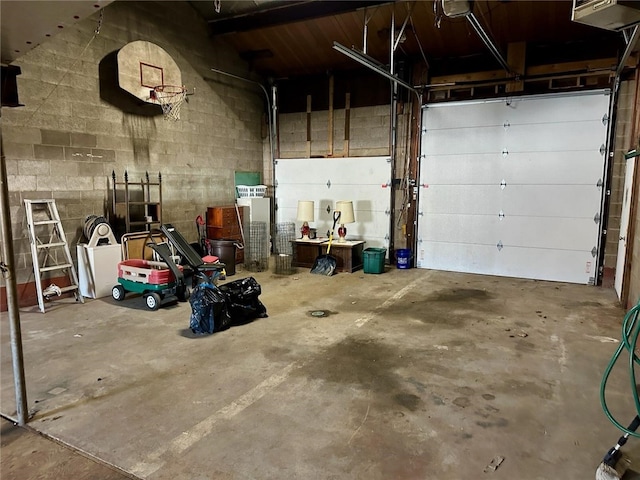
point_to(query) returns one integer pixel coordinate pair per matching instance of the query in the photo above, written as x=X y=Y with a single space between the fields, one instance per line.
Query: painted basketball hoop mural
x=148 y=72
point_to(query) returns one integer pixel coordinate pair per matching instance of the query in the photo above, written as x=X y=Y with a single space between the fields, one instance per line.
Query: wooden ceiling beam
x=582 y=66
x=287 y=13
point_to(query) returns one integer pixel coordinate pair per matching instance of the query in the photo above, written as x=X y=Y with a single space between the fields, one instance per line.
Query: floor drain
x=318 y=313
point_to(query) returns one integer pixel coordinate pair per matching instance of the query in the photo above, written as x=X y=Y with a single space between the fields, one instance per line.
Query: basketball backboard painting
x=143 y=66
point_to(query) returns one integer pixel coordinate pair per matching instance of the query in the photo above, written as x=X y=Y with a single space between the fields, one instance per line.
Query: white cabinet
x=259 y=210
x=98 y=269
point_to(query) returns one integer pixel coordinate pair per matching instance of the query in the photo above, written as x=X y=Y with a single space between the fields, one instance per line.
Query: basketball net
x=170 y=98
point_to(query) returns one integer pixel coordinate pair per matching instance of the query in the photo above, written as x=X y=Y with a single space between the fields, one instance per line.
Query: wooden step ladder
x=49 y=249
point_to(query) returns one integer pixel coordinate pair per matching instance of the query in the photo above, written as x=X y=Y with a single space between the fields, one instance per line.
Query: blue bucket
x=403 y=255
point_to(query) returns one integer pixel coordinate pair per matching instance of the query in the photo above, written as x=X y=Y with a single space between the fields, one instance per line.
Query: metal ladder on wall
x=49 y=249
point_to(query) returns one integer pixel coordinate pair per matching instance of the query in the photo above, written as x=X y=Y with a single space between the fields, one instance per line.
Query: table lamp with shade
x=345 y=207
x=305 y=215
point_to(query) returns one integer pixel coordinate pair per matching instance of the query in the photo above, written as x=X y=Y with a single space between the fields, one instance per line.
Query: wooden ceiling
x=286 y=39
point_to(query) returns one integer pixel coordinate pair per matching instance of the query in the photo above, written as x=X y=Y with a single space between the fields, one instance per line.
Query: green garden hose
x=630 y=334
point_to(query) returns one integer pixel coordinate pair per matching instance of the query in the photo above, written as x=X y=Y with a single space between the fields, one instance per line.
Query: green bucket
x=374 y=260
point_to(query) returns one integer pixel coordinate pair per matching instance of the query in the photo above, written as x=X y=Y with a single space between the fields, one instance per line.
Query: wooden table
x=349 y=254
x=306 y=251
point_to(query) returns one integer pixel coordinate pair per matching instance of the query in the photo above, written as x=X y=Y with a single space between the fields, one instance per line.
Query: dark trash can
x=225 y=250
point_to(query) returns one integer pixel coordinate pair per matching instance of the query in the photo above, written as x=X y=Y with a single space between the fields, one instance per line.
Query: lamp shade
x=305 y=211
x=346 y=211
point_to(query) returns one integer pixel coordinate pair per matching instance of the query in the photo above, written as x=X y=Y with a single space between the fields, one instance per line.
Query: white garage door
x=363 y=180
x=512 y=187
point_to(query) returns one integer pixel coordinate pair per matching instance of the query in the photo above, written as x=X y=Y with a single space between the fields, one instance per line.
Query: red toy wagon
x=153 y=279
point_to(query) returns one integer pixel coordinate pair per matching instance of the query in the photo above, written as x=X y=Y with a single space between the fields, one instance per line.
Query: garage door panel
x=461 y=200
x=516 y=111
x=573 y=167
x=558 y=108
x=317 y=171
x=567 y=265
x=512 y=231
x=313 y=172
x=541 y=232
x=489 y=114
x=513 y=200
x=551 y=200
x=522 y=203
x=575 y=266
x=327 y=180
x=457 y=257
x=468 y=229
x=464 y=140
x=462 y=169
x=575 y=136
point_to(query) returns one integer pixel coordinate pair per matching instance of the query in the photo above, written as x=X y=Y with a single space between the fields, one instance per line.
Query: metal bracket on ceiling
x=633 y=39
x=404 y=25
x=456 y=8
x=484 y=36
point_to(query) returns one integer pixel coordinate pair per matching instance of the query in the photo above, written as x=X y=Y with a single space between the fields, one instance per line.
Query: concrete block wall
x=368 y=133
x=633 y=286
x=624 y=123
x=65 y=142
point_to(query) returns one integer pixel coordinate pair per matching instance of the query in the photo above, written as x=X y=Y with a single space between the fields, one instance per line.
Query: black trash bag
x=209 y=311
x=242 y=300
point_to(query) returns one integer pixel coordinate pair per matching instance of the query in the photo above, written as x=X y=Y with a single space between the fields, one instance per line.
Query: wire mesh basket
x=285 y=236
x=256 y=250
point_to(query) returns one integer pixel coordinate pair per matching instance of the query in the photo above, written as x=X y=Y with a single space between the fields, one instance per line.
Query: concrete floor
x=413 y=374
